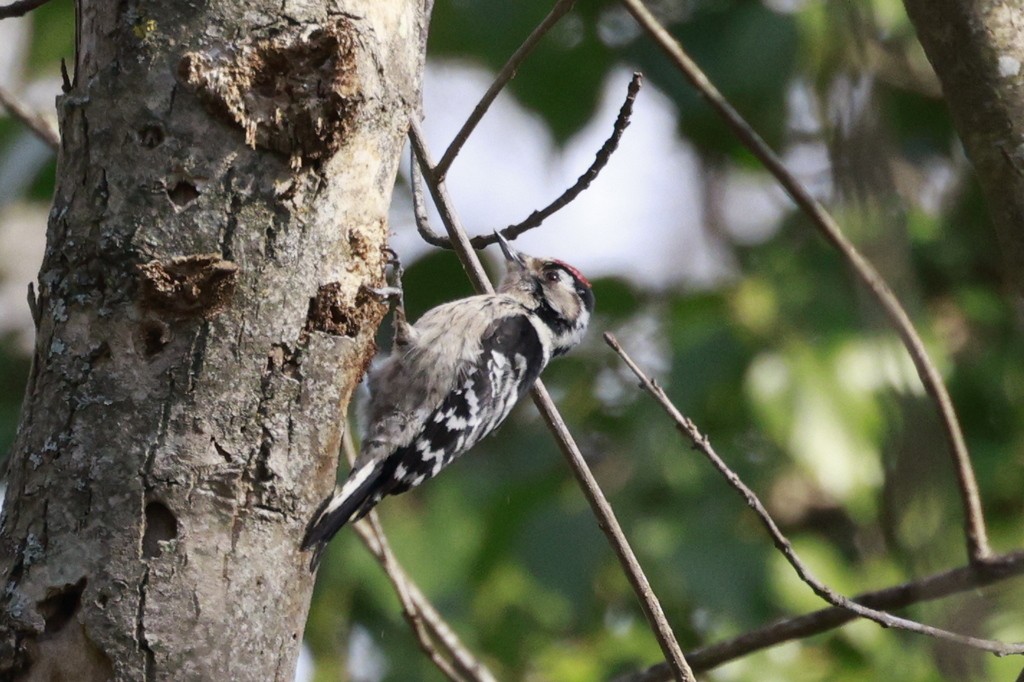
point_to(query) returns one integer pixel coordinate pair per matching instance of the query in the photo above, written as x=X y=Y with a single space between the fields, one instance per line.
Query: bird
x=453 y=377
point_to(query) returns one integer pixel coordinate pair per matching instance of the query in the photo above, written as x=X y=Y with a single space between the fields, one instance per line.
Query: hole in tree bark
x=153 y=335
x=151 y=135
x=183 y=193
x=161 y=526
x=61 y=605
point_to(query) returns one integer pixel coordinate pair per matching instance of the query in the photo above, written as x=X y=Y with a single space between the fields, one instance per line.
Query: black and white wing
x=509 y=358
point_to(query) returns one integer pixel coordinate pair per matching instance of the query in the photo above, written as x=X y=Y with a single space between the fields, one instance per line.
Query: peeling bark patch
x=60 y=605
x=161 y=526
x=187 y=286
x=152 y=336
x=331 y=314
x=297 y=93
x=182 y=193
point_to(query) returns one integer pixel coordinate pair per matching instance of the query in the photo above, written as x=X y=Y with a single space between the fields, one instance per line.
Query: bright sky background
x=640 y=219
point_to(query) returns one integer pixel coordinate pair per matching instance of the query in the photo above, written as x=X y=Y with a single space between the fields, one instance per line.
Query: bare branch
x=427 y=624
x=20 y=8
x=507 y=73
x=439 y=193
x=419 y=207
x=701 y=443
x=409 y=608
x=35 y=121
x=958 y=580
x=610 y=525
x=978 y=548
x=467 y=665
x=583 y=182
x=598 y=503
x=538 y=217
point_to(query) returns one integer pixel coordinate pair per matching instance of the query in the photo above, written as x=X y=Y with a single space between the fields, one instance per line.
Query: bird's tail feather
x=349 y=499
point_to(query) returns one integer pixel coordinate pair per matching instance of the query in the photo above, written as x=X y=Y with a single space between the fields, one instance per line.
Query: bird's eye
x=551 y=275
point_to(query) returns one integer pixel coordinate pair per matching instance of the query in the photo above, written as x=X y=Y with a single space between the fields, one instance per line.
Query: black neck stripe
x=551 y=318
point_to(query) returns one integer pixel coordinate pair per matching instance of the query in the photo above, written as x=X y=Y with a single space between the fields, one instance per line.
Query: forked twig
x=537 y=217
x=409 y=609
x=936 y=586
x=442 y=201
x=507 y=73
x=598 y=503
x=426 y=623
x=702 y=444
x=978 y=549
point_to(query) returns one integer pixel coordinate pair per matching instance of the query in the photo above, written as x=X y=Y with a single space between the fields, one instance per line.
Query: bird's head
x=556 y=292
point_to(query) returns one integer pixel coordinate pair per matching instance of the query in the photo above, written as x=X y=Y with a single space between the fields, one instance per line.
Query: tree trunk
x=224 y=178
x=977 y=51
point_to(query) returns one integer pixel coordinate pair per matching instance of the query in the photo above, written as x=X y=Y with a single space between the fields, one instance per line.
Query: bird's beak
x=511 y=254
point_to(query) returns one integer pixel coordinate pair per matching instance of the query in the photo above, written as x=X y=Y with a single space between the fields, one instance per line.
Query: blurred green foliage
x=787 y=366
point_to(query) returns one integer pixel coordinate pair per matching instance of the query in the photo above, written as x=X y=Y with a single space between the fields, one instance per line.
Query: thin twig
x=20 y=8
x=598 y=503
x=610 y=525
x=463 y=660
x=419 y=206
x=701 y=443
x=583 y=181
x=538 y=217
x=34 y=120
x=412 y=614
x=606 y=517
x=427 y=624
x=978 y=548
x=443 y=202
x=507 y=73
x=372 y=535
x=936 y=586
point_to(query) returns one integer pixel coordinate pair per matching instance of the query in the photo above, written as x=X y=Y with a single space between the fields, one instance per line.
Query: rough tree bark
x=224 y=178
x=977 y=51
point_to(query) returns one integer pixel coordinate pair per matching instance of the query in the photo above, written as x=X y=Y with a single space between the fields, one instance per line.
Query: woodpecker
x=453 y=377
